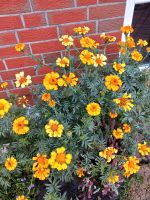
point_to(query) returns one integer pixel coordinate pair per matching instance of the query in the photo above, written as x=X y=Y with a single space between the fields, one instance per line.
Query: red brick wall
x=39 y=24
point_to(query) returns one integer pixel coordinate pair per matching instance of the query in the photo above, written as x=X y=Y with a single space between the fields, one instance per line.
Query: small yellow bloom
x=143 y=149
x=108 y=38
x=50 y=81
x=22 y=81
x=113 y=179
x=80 y=172
x=20 y=126
x=22 y=101
x=63 y=62
x=46 y=97
x=81 y=30
x=118 y=133
x=54 y=129
x=93 y=109
x=41 y=173
x=126 y=128
x=22 y=197
x=136 y=55
x=66 y=40
x=113 y=82
x=113 y=115
x=148 y=49
x=99 y=60
x=4 y=85
x=127 y=29
x=119 y=67
x=87 y=42
x=108 y=153
x=52 y=103
x=59 y=159
x=130 y=42
x=142 y=43
x=4 y=107
x=11 y=163
x=131 y=166
x=87 y=57
x=124 y=102
x=70 y=79
x=20 y=47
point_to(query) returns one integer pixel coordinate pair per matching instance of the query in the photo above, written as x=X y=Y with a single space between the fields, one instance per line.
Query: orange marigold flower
x=93 y=109
x=20 y=47
x=54 y=128
x=22 y=101
x=136 y=55
x=119 y=67
x=50 y=81
x=81 y=30
x=99 y=60
x=143 y=149
x=148 y=49
x=113 y=82
x=118 y=133
x=63 y=62
x=21 y=197
x=22 y=80
x=20 y=126
x=87 y=42
x=4 y=107
x=4 y=85
x=130 y=42
x=87 y=57
x=113 y=179
x=70 y=79
x=108 y=38
x=80 y=172
x=41 y=160
x=46 y=97
x=108 y=153
x=41 y=173
x=127 y=29
x=66 y=40
x=52 y=103
x=126 y=128
x=113 y=115
x=142 y=43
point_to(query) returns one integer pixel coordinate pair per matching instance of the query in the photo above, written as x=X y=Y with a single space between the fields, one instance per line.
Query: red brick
x=8 y=52
x=112 y=48
x=111 y=1
x=110 y=25
x=37 y=34
x=37 y=79
x=66 y=16
x=3 y=95
x=86 y=2
x=112 y=57
x=107 y=11
x=10 y=23
x=35 y=19
x=51 y=4
x=7 y=38
x=2 y=66
x=20 y=62
x=45 y=47
x=20 y=91
x=10 y=75
x=14 y=6
x=51 y=57
x=68 y=29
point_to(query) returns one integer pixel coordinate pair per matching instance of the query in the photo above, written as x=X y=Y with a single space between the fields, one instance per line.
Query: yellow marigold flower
x=66 y=40
x=81 y=30
x=4 y=107
x=108 y=153
x=20 y=47
x=124 y=102
x=20 y=126
x=22 y=101
x=143 y=149
x=54 y=129
x=126 y=128
x=130 y=42
x=127 y=29
x=80 y=172
x=87 y=57
x=113 y=82
x=22 y=81
x=93 y=109
x=87 y=42
x=118 y=133
x=113 y=115
x=22 y=197
x=4 y=85
x=41 y=173
x=99 y=60
x=108 y=38
x=11 y=163
x=52 y=103
x=148 y=49
x=113 y=179
x=131 y=166
x=46 y=97
x=119 y=67
x=70 y=79
x=59 y=159
x=136 y=55
x=63 y=62
x=142 y=43
x=50 y=81
x=41 y=160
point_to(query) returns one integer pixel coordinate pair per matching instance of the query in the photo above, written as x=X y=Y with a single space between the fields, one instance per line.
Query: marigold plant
x=86 y=124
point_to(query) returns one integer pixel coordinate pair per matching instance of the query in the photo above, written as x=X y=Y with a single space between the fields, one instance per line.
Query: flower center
x=22 y=80
x=41 y=160
x=21 y=125
x=109 y=153
x=99 y=61
x=65 y=40
x=52 y=81
x=61 y=158
x=54 y=127
x=123 y=101
x=88 y=56
x=1 y=106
